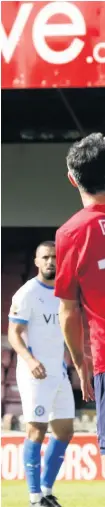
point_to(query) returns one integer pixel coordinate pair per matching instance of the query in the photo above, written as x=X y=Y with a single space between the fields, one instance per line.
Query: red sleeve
x=66 y=283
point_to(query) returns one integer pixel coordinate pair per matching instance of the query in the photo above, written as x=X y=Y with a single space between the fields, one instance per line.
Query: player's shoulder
x=78 y=223
x=27 y=289
x=73 y=226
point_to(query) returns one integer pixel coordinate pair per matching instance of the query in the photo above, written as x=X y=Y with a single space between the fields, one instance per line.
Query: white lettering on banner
x=74 y=454
x=9 y=462
x=20 y=470
x=73 y=462
x=10 y=42
x=41 y=29
x=90 y=471
x=96 y=50
x=79 y=464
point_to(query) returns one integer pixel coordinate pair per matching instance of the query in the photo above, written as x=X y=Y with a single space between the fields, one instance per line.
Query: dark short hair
x=86 y=162
x=50 y=244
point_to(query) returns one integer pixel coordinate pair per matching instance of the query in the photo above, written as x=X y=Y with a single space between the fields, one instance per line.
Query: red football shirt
x=80 y=268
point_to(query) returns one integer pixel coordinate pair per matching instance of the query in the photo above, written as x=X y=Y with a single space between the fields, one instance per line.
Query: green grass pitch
x=70 y=494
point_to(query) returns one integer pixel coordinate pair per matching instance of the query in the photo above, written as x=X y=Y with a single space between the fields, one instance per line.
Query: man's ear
x=72 y=181
x=36 y=262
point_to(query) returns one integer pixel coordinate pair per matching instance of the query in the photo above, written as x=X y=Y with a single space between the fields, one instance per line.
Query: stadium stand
x=9 y=392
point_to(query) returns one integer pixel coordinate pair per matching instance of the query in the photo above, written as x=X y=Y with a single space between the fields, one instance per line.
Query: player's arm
x=67 y=289
x=71 y=324
x=18 y=322
x=15 y=330
x=72 y=328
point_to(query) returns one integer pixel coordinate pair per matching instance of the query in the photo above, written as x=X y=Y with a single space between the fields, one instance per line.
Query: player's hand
x=37 y=369
x=85 y=383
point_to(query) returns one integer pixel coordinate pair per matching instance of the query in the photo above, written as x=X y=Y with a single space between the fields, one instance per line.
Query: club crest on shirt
x=102 y=225
x=39 y=410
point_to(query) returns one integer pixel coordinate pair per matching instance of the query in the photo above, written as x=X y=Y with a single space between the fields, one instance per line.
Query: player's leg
x=35 y=403
x=35 y=432
x=61 y=420
x=99 y=384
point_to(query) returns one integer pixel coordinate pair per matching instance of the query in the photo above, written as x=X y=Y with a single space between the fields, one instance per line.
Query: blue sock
x=32 y=461
x=53 y=460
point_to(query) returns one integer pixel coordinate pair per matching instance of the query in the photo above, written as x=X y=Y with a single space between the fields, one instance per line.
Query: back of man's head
x=86 y=163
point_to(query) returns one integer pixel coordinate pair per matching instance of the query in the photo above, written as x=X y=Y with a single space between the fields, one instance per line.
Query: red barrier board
x=53 y=44
x=82 y=459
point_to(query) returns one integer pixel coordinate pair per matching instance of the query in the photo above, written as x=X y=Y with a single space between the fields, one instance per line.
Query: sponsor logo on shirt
x=102 y=225
x=53 y=318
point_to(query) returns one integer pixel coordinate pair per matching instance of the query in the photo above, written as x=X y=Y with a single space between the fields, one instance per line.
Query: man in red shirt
x=80 y=270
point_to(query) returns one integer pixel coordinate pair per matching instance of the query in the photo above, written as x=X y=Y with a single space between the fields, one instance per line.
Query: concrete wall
x=35 y=189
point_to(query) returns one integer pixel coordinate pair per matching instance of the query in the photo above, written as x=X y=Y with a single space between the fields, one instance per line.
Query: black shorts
x=99 y=385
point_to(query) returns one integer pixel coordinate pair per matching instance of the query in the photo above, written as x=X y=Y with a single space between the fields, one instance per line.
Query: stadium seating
x=10 y=397
x=9 y=285
x=2 y=374
x=5 y=357
x=2 y=392
x=2 y=388
x=13 y=408
x=13 y=270
x=11 y=376
x=14 y=361
x=10 y=422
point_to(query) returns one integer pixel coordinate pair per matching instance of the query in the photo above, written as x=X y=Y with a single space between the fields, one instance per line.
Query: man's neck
x=49 y=283
x=92 y=200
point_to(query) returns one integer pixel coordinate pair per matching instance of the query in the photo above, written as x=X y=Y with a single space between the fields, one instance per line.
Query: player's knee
x=63 y=430
x=36 y=431
x=66 y=434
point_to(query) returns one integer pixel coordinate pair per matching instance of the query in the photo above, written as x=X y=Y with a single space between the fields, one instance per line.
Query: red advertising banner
x=53 y=44
x=82 y=459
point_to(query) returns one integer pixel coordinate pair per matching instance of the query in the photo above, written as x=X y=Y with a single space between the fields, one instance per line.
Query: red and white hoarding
x=53 y=44
x=82 y=459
